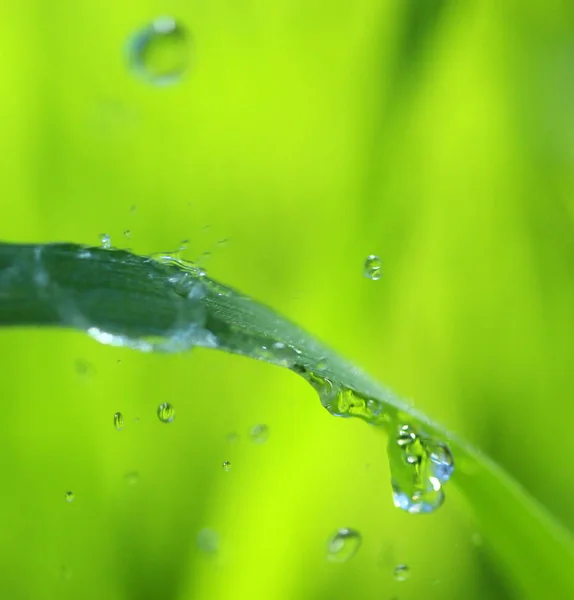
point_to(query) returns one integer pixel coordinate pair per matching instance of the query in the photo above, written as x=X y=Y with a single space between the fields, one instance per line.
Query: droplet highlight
x=259 y=433
x=160 y=52
x=343 y=545
x=119 y=421
x=226 y=465
x=401 y=572
x=166 y=412
x=373 y=267
x=69 y=496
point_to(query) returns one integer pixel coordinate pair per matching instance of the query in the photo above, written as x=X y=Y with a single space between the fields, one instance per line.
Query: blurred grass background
x=438 y=135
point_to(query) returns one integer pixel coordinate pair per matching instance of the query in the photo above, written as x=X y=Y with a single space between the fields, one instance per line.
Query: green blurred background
x=438 y=135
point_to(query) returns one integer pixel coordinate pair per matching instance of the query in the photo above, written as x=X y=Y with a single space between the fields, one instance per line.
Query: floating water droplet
x=127 y=234
x=105 y=241
x=165 y=412
x=373 y=267
x=259 y=433
x=119 y=421
x=420 y=465
x=401 y=572
x=132 y=477
x=69 y=496
x=226 y=466
x=160 y=52
x=343 y=545
x=208 y=541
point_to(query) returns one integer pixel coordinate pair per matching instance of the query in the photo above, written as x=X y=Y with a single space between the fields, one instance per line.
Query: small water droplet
x=208 y=541
x=118 y=421
x=343 y=545
x=226 y=466
x=233 y=437
x=127 y=234
x=133 y=209
x=223 y=242
x=105 y=241
x=160 y=52
x=259 y=433
x=401 y=572
x=373 y=267
x=69 y=496
x=165 y=412
x=132 y=477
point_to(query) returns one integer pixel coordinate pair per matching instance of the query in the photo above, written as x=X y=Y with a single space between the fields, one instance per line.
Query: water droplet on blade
x=160 y=52
x=118 y=421
x=127 y=234
x=401 y=572
x=343 y=545
x=165 y=412
x=226 y=466
x=69 y=496
x=259 y=433
x=373 y=267
x=105 y=241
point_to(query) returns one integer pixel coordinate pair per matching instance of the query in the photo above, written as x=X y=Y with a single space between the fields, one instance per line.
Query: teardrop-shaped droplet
x=343 y=545
x=119 y=421
x=165 y=412
x=160 y=52
x=373 y=267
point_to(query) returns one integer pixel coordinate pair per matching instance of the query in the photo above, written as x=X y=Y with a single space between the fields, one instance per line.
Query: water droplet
x=420 y=466
x=69 y=496
x=373 y=267
x=132 y=477
x=160 y=52
x=133 y=209
x=223 y=242
x=127 y=234
x=208 y=541
x=165 y=412
x=343 y=545
x=119 y=421
x=401 y=572
x=226 y=466
x=259 y=433
x=105 y=241
x=233 y=437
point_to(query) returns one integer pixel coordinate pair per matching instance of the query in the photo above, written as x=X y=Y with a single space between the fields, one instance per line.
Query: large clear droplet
x=373 y=267
x=343 y=545
x=160 y=52
x=259 y=433
x=166 y=412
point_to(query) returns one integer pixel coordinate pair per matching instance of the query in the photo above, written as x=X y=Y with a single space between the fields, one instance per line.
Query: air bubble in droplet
x=105 y=241
x=373 y=267
x=259 y=433
x=165 y=412
x=119 y=421
x=69 y=496
x=160 y=52
x=401 y=572
x=226 y=465
x=343 y=545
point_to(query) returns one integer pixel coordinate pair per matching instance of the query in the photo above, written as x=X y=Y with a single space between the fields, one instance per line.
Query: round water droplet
x=373 y=267
x=105 y=241
x=259 y=433
x=119 y=421
x=69 y=496
x=401 y=572
x=226 y=466
x=165 y=412
x=160 y=52
x=343 y=545
x=127 y=234
x=208 y=541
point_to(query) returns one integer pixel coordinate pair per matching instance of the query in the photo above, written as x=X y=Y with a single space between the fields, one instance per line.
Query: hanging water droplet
x=343 y=545
x=127 y=234
x=373 y=267
x=105 y=241
x=420 y=465
x=118 y=421
x=69 y=496
x=165 y=412
x=259 y=433
x=208 y=541
x=160 y=52
x=226 y=466
x=401 y=572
